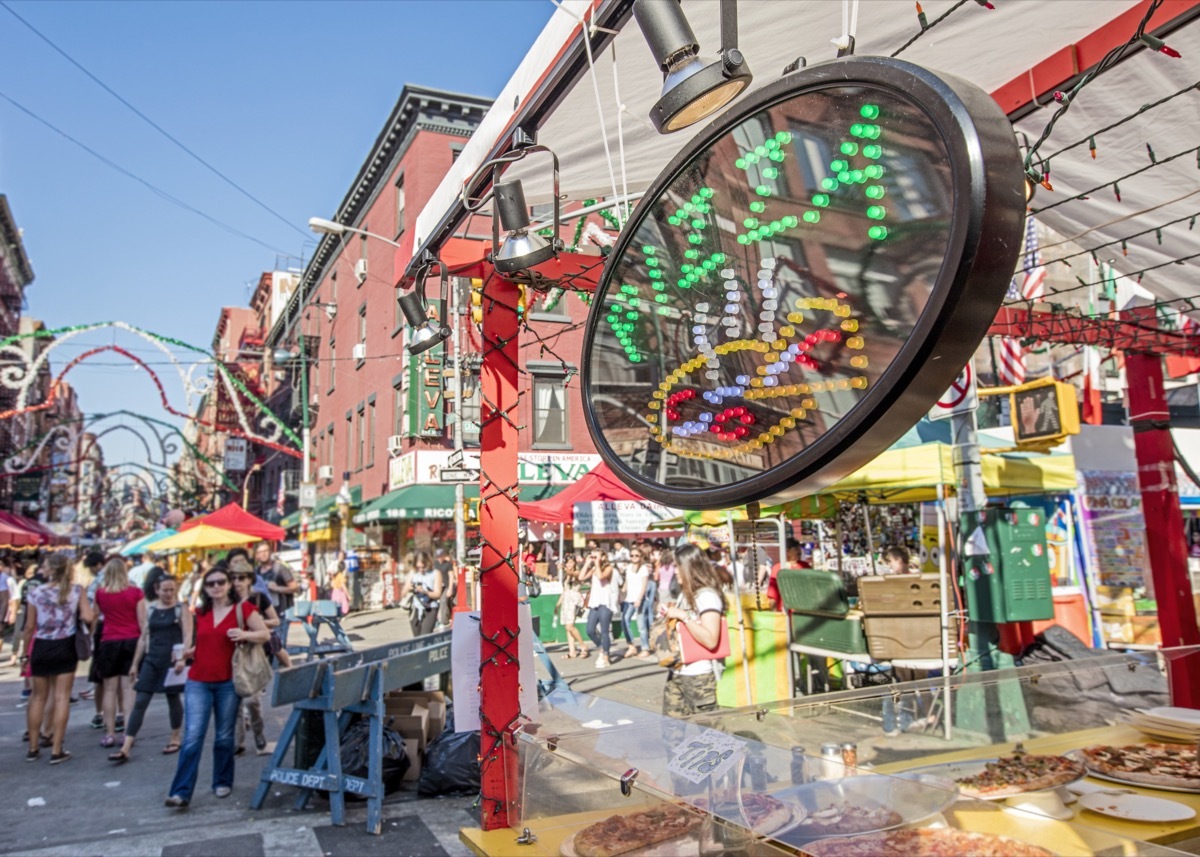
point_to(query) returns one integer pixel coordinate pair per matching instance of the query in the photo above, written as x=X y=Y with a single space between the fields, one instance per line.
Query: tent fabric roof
x=43 y=536
x=140 y=545
x=14 y=535
x=598 y=484
x=204 y=536
x=233 y=517
x=991 y=48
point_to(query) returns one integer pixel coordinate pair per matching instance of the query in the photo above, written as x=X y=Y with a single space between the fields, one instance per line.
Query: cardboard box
x=433 y=700
x=412 y=750
x=1146 y=631
x=1115 y=601
x=410 y=718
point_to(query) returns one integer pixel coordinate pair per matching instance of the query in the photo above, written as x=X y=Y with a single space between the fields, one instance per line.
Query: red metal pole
x=499 y=704
x=1165 y=538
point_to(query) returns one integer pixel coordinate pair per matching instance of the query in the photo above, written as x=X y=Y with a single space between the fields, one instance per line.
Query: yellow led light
x=859 y=361
x=779 y=344
x=756 y=382
x=787 y=422
x=799 y=413
x=795 y=318
x=659 y=394
x=850 y=325
x=858 y=383
x=854 y=342
x=843 y=384
x=842 y=311
x=787 y=330
x=808 y=404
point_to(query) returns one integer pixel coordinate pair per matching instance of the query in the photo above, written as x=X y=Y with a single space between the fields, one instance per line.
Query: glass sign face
x=769 y=286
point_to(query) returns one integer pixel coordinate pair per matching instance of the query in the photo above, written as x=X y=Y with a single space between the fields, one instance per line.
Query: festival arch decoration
x=801 y=283
x=22 y=370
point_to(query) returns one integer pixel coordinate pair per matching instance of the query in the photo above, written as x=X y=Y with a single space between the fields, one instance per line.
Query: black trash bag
x=451 y=763
x=356 y=756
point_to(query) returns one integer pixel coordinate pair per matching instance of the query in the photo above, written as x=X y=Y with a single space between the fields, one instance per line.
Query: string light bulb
x=1154 y=43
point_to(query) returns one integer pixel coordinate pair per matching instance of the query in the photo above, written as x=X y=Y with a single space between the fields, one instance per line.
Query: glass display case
x=815 y=775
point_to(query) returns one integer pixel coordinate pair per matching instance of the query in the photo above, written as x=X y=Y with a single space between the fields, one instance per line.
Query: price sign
x=710 y=754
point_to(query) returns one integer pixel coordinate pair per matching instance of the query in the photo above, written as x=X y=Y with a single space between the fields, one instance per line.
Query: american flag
x=1028 y=283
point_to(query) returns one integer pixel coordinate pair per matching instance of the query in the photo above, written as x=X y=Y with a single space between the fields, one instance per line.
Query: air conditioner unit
x=360 y=270
x=325 y=472
x=360 y=351
x=395 y=445
x=315 y=398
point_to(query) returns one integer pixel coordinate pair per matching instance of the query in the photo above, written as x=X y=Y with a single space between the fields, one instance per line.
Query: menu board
x=1114 y=528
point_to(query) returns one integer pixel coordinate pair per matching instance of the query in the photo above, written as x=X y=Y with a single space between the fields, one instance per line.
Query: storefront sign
x=620 y=516
x=801 y=283
x=235 y=454
x=27 y=489
x=426 y=411
x=424 y=467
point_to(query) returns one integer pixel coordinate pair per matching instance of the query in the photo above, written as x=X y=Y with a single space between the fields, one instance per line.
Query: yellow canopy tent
x=203 y=536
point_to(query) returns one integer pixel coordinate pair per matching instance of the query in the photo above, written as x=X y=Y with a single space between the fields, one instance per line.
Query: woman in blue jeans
x=209 y=689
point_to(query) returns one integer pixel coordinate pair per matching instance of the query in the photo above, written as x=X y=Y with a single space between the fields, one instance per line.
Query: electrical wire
x=1117 y=181
x=1092 y=251
x=1121 y=219
x=927 y=27
x=174 y=200
x=152 y=123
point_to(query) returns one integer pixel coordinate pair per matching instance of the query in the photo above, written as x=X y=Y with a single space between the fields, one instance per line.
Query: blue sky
x=285 y=98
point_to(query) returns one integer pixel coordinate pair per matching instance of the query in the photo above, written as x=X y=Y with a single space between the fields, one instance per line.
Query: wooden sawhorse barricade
x=340 y=687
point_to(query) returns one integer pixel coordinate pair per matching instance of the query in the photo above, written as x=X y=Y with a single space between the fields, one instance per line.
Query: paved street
x=89 y=807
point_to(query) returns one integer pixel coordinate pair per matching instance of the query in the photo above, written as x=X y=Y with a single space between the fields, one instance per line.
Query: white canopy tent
x=577 y=105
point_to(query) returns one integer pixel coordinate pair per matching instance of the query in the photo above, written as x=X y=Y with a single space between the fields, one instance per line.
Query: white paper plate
x=1137 y=807
x=1186 y=717
x=1165 y=734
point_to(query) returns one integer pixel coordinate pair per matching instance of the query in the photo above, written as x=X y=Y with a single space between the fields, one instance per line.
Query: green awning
x=291 y=521
x=539 y=492
x=319 y=517
x=414 y=502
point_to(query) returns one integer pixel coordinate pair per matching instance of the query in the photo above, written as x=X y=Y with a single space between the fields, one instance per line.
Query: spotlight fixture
x=521 y=248
x=693 y=88
x=425 y=332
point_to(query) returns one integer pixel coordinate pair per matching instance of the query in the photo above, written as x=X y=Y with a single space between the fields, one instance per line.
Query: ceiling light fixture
x=693 y=88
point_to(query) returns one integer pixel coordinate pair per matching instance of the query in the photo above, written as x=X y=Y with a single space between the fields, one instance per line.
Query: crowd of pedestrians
x=145 y=633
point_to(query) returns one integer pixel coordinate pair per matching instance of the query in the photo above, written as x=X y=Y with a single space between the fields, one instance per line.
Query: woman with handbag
x=56 y=618
x=166 y=624
x=570 y=605
x=242 y=574
x=222 y=623
x=700 y=611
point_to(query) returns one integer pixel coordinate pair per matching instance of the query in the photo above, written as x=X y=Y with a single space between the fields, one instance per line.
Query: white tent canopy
x=989 y=47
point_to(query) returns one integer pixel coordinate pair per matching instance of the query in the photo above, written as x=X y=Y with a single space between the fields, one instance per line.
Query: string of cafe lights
x=1190 y=218
x=1115 y=184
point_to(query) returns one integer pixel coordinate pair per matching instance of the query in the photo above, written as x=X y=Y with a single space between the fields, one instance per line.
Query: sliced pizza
x=924 y=842
x=845 y=819
x=1172 y=766
x=1019 y=773
x=764 y=813
x=621 y=834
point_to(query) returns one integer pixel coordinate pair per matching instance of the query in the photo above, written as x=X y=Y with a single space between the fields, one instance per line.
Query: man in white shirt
x=137 y=574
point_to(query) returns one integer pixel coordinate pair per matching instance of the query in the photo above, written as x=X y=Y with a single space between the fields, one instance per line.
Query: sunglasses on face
x=241 y=577
x=209 y=584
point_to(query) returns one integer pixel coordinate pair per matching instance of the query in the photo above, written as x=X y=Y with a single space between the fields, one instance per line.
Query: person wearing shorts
x=124 y=609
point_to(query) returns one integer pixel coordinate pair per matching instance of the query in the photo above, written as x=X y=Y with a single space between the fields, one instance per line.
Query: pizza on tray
x=621 y=834
x=924 y=842
x=765 y=814
x=844 y=819
x=1018 y=773
x=1165 y=765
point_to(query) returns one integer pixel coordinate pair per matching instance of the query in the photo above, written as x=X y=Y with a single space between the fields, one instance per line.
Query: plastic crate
x=910 y=594
x=813 y=590
x=895 y=637
x=829 y=632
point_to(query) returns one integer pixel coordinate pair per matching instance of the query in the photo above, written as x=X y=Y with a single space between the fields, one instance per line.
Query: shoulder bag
x=251 y=669
x=83 y=634
x=691 y=652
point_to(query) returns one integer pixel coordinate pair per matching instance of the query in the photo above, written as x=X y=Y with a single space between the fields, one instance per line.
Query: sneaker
x=260 y=742
x=222 y=791
x=119 y=726
x=892 y=733
x=32 y=755
x=601 y=662
x=98 y=721
x=59 y=758
x=175 y=802
x=26 y=693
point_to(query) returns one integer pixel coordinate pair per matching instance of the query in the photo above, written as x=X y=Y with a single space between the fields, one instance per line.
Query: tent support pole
x=866 y=510
x=562 y=546
x=737 y=600
x=944 y=583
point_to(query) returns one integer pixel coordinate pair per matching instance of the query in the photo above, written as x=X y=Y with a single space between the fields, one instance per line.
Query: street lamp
x=331 y=227
x=246 y=483
x=425 y=333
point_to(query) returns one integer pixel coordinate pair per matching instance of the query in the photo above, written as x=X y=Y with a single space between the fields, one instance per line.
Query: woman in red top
x=209 y=689
x=124 y=609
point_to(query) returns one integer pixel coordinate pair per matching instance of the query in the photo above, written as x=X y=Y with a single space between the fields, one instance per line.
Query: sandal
x=172 y=747
x=108 y=741
x=118 y=758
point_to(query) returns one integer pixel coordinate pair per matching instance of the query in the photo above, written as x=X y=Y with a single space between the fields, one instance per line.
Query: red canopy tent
x=48 y=536
x=233 y=517
x=13 y=534
x=598 y=485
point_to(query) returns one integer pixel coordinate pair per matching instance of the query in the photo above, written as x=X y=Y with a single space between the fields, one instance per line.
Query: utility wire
x=152 y=123
x=154 y=188
x=925 y=28
x=1118 y=180
x=1189 y=217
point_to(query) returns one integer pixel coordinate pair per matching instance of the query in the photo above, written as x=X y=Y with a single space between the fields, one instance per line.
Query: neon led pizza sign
x=802 y=283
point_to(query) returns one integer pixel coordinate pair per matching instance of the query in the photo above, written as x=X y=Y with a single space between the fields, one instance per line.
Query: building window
x=371 y=434
x=360 y=456
x=397 y=409
x=455 y=151
x=400 y=205
x=550 y=424
x=332 y=364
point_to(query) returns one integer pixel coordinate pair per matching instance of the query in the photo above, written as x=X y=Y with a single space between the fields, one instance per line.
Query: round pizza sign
x=802 y=283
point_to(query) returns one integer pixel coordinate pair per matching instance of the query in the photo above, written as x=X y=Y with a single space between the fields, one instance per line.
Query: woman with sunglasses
x=209 y=689
x=242 y=574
